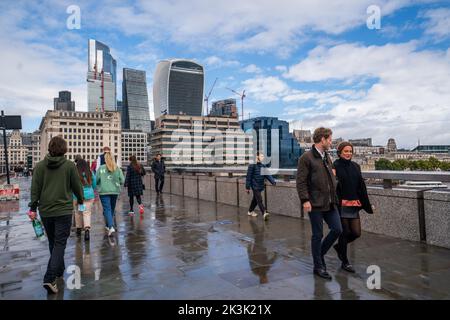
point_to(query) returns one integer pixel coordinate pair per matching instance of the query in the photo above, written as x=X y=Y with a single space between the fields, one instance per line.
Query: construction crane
x=209 y=94
x=242 y=95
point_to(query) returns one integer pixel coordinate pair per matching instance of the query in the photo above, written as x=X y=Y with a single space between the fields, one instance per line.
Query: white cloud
x=410 y=97
x=438 y=24
x=252 y=68
x=215 y=62
x=258 y=26
x=265 y=89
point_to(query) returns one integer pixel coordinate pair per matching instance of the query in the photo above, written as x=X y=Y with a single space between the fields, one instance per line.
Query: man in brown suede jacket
x=316 y=187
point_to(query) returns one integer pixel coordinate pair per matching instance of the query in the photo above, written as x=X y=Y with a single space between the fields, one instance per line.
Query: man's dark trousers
x=58 y=230
x=318 y=247
x=159 y=183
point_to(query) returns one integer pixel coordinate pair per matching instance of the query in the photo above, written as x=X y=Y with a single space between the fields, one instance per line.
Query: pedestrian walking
x=83 y=211
x=134 y=184
x=109 y=181
x=352 y=197
x=256 y=182
x=159 y=169
x=55 y=180
x=101 y=158
x=316 y=187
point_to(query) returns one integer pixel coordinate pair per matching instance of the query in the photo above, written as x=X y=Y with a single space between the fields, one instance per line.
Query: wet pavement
x=183 y=248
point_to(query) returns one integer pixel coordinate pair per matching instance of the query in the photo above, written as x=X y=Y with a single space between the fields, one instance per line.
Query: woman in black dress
x=133 y=182
x=352 y=195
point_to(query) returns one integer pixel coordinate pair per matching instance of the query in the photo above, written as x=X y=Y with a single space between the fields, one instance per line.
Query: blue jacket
x=254 y=178
x=88 y=191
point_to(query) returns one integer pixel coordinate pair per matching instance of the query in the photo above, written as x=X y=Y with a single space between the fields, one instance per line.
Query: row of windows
x=69 y=130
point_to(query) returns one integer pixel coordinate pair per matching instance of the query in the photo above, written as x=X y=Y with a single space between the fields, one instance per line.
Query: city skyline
x=297 y=68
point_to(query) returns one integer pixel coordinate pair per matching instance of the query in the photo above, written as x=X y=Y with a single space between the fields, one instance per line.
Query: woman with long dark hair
x=83 y=212
x=133 y=182
x=352 y=197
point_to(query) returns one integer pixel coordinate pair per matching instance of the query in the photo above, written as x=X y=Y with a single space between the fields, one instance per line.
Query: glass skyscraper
x=135 y=110
x=178 y=88
x=101 y=77
x=272 y=128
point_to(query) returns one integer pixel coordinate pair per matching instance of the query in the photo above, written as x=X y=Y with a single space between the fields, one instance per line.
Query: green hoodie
x=109 y=182
x=54 y=181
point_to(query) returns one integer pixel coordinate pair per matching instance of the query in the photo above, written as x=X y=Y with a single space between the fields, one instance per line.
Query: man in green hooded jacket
x=55 y=180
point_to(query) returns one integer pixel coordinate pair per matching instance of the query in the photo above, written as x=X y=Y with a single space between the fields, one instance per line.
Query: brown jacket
x=315 y=182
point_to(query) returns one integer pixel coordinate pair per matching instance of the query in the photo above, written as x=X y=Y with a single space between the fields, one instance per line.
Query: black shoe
x=348 y=267
x=87 y=235
x=322 y=273
x=78 y=232
x=338 y=252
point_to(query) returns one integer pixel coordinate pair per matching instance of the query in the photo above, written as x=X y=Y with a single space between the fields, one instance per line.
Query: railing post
x=421 y=212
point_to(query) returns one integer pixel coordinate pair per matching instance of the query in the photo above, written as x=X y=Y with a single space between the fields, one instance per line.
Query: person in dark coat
x=159 y=168
x=256 y=182
x=133 y=181
x=352 y=196
x=316 y=187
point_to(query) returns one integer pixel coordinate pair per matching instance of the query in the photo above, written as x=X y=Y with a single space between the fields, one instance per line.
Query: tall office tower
x=178 y=88
x=135 y=100
x=224 y=108
x=123 y=115
x=101 y=78
x=274 y=140
x=63 y=102
x=391 y=145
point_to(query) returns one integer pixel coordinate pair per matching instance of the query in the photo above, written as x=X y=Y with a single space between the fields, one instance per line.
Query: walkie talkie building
x=178 y=88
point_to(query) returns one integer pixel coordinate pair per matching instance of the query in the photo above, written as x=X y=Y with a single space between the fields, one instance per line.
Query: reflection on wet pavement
x=183 y=248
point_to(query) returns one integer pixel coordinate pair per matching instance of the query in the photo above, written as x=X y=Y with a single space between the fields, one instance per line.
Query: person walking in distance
x=54 y=181
x=83 y=211
x=256 y=182
x=158 y=168
x=316 y=187
x=134 y=183
x=109 y=180
x=352 y=197
x=101 y=158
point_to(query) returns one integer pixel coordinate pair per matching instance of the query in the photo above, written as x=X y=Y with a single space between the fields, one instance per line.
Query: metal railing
x=388 y=177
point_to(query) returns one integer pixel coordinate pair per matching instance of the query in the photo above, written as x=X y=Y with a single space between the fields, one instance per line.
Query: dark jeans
x=109 y=207
x=138 y=198
x=159 y=183
x=58 y=230
x=257 y=200
x=318 y=247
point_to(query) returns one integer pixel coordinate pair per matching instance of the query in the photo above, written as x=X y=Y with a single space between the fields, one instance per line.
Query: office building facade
x=201 y=141
x=224 y=108
x=101 y=78
x=135 y=107
x=86 y=133
x=134 y=142
x=272 y=137
x=178 y=87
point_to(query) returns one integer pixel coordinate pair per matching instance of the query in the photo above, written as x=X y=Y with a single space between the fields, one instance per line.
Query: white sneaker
x=253 y=214
x=131 y=213
x=107 y=229
x=266 y=216
x=250 y=213
x=111 y=231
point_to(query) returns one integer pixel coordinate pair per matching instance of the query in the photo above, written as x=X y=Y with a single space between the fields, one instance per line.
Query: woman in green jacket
x=109 y=180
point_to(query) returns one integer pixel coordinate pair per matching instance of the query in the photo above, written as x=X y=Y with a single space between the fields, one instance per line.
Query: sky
x=311 y=63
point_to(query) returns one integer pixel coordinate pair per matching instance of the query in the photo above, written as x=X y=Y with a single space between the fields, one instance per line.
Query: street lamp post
x=3 y=127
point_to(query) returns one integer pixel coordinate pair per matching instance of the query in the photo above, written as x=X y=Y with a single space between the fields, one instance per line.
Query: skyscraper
x=135 y=108
x=268 y=130
x=101 y=78
x=63 y=102
x=178 y=88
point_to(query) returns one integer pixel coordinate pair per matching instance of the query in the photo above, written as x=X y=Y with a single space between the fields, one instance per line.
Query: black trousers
x=58 y=231
x=159 y=183
x=138 y=198
x=257 y=200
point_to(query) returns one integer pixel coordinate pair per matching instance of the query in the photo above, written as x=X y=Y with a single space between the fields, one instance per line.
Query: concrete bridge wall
x=402 y=213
